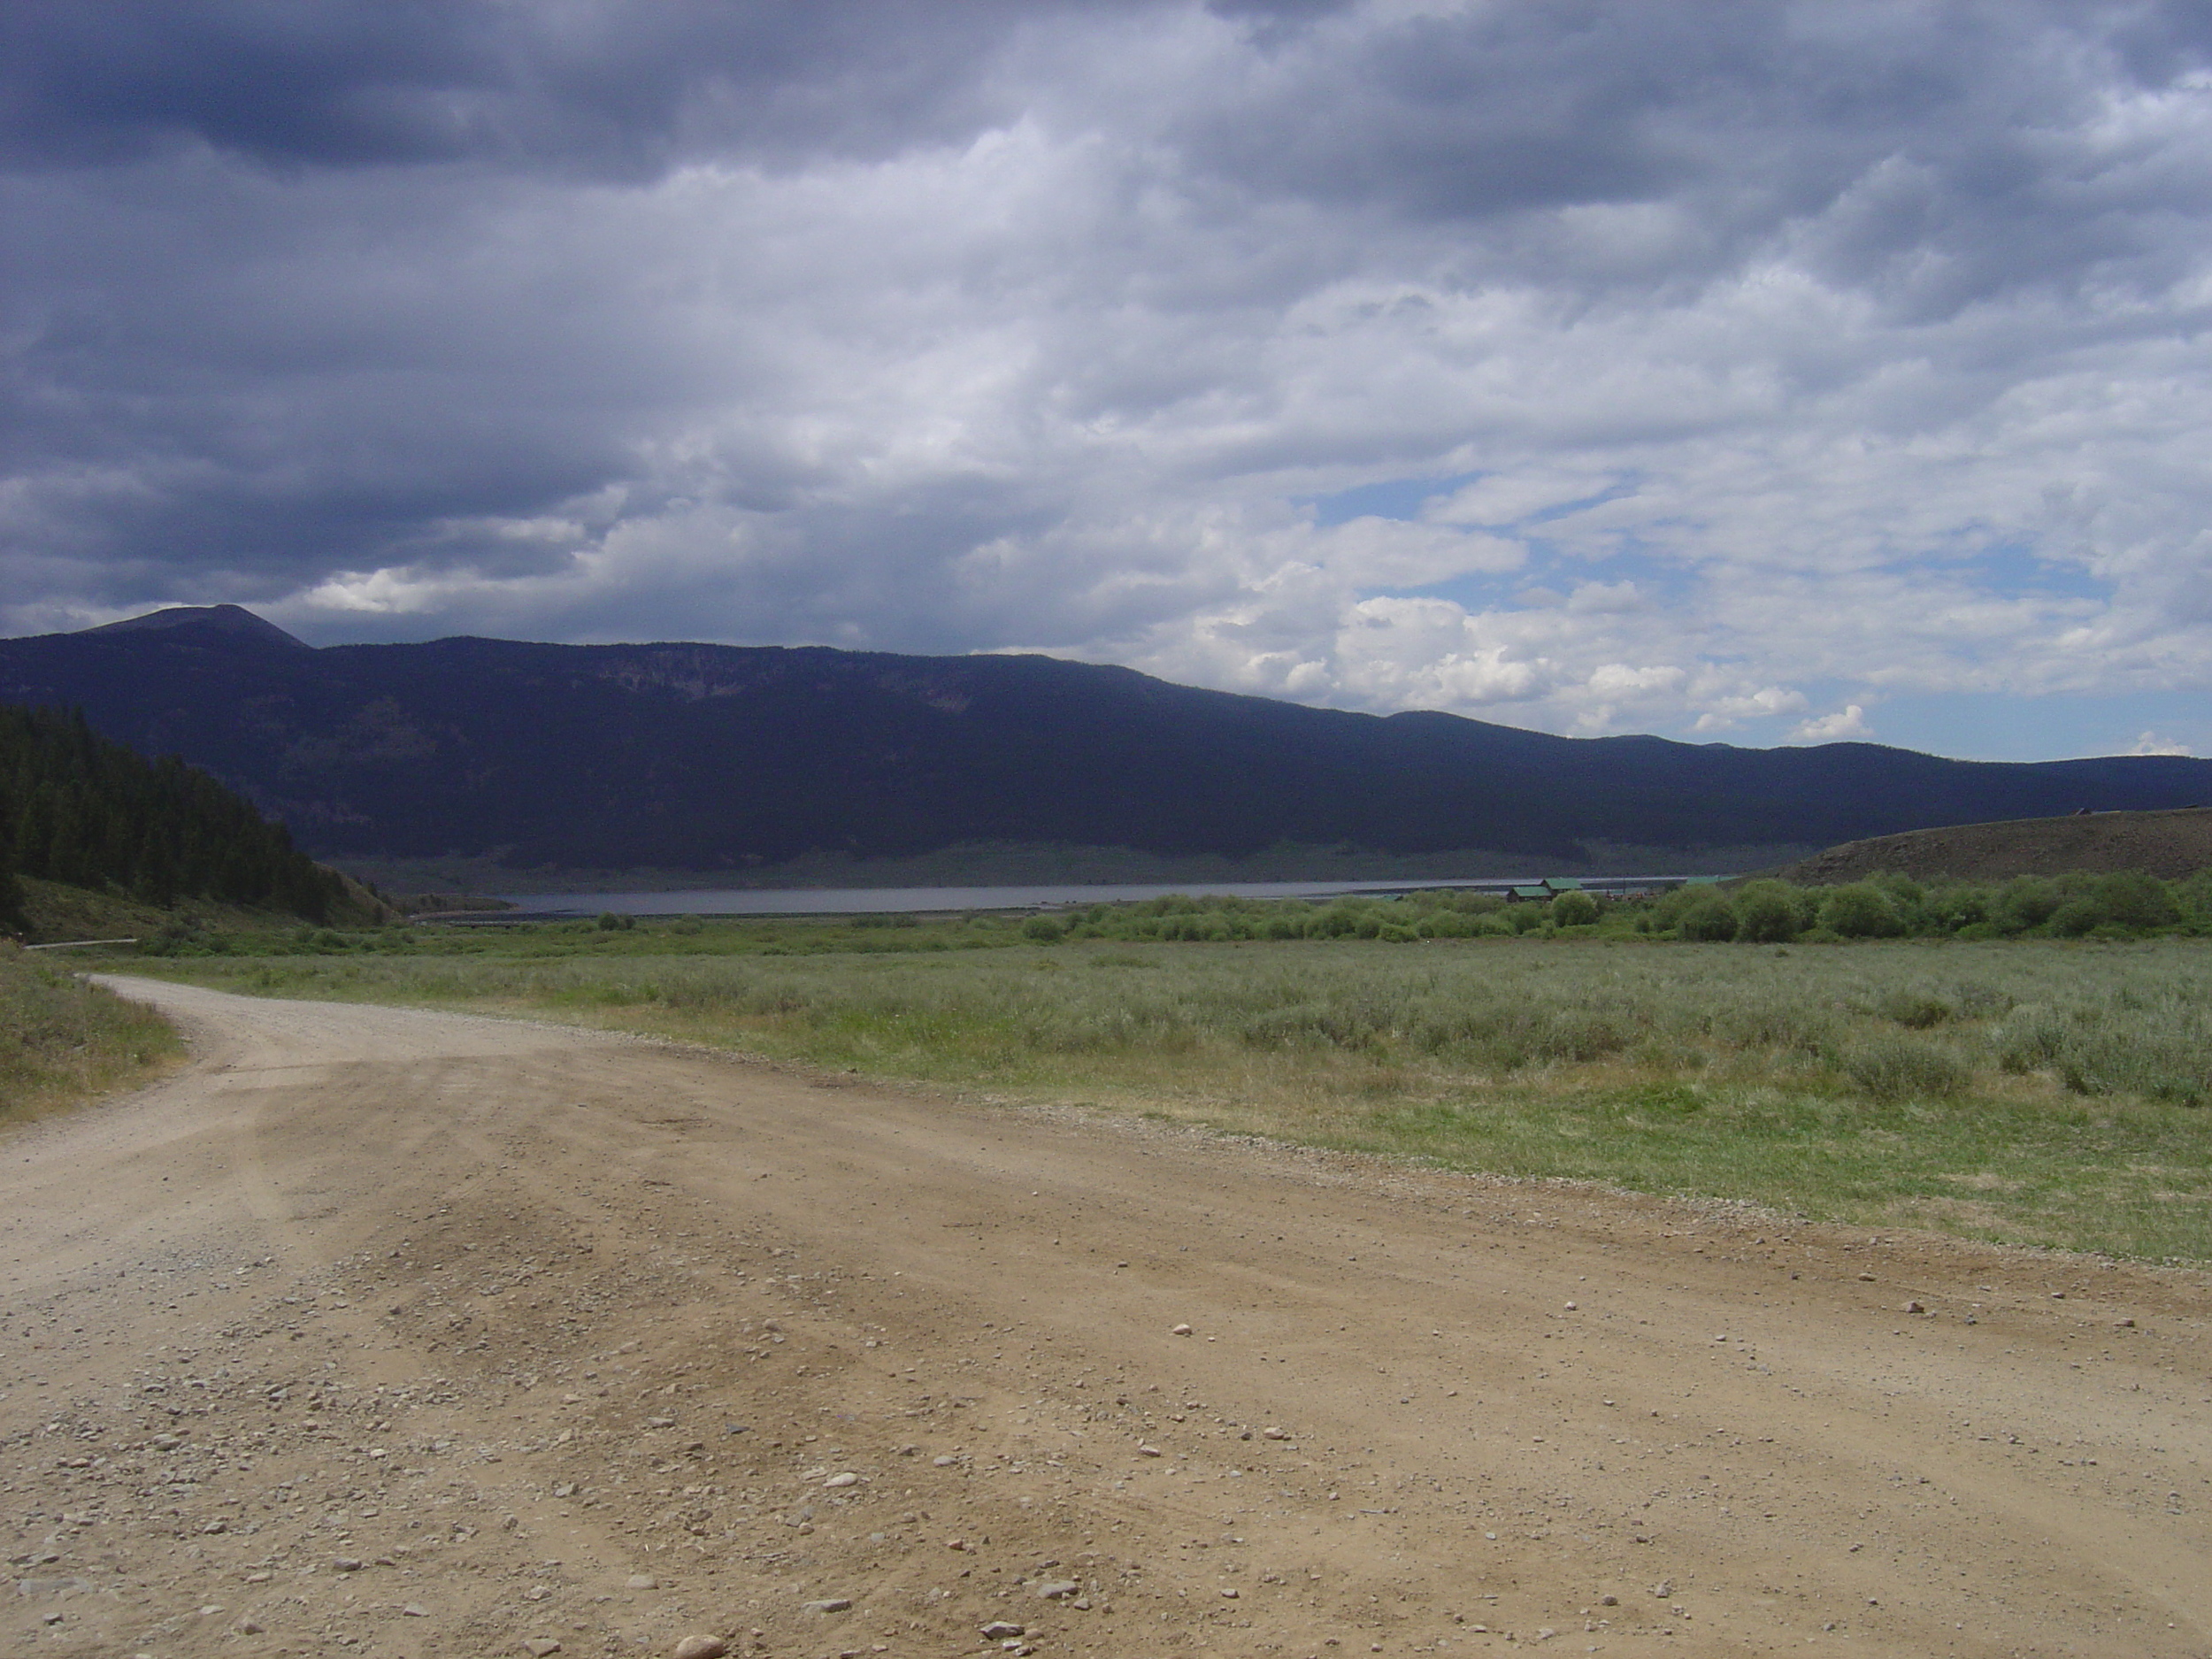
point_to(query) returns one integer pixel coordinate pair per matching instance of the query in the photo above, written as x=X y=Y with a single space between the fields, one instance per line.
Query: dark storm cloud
x=224 y=385
x=610 y=90
x=1027 y=323
x=1950 y=130
x=1517 y=108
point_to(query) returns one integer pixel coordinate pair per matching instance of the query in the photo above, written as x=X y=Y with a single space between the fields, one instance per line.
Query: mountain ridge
x=718 y=758
x=234 y=621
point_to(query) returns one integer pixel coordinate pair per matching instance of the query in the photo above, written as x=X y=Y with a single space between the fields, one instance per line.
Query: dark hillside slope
x=2169 y=845
x=79 y=809
x=704 y=757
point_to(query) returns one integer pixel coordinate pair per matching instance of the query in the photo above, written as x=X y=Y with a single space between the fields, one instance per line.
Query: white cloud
x=1392 y=553
x=1608 y=599
x=2151 y=743
x=1846 y=725
x=1724 y=712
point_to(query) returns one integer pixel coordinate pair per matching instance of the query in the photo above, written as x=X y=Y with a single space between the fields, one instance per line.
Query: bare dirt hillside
x=395 y=1334
x=2167 y=844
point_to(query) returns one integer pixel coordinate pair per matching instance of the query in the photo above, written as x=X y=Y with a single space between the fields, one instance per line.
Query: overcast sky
x=1751 y=372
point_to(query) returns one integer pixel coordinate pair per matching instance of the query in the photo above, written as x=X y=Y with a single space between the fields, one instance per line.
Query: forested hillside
x=75 y=808
x=719 y=758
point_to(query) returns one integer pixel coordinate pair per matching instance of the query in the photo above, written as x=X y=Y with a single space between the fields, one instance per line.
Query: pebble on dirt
x=701 y=1647
x=1000 y=1628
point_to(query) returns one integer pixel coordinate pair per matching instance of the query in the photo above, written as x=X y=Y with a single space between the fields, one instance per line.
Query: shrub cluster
x=2126 y=904
x=2121 y=905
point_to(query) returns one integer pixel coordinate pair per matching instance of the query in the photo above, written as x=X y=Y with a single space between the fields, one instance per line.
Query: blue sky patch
x=1393 y=498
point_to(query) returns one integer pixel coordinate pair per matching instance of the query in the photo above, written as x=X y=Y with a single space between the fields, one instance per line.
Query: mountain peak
x=235 y=622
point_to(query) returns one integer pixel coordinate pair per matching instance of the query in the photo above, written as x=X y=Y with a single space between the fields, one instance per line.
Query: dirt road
x=391 y=1334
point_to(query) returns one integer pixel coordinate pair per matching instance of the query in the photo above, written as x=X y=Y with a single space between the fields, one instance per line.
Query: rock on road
x=392 y=1333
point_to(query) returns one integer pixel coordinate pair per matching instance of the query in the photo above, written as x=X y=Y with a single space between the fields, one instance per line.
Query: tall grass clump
x=62 y=1040
x=1892 y=1068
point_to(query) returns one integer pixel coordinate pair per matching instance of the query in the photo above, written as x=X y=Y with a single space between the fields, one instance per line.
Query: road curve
x=401 y=1334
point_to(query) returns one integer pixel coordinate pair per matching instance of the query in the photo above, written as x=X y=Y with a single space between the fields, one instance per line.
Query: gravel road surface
x=390 y=1334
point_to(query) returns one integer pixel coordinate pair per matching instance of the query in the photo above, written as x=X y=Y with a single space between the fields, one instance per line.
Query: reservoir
x=916 y=901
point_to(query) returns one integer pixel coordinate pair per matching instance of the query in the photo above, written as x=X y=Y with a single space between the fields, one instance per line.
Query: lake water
x=889 y=900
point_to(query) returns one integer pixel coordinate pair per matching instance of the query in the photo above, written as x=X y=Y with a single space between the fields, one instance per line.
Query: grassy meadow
x=1994 y=1076
x=63 y=1041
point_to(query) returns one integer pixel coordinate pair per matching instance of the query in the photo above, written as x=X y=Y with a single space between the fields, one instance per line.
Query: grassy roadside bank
x=63 y=1041
x=2041 y=1092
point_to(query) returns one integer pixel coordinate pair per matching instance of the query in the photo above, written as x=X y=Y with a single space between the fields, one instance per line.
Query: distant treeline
x=2124 y=904
x=75 y=808
x=2118 y=905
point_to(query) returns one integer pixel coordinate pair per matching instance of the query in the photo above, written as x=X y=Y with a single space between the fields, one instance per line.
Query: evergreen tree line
x=75 y=808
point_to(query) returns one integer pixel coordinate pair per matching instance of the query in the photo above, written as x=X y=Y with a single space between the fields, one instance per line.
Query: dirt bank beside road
x=397 y=1334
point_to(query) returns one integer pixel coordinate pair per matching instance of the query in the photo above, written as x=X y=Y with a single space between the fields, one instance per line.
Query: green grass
x=2040 y=1092
x=63 y=1041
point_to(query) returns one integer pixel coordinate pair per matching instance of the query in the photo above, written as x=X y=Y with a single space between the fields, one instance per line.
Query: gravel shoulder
x=395 y=1334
